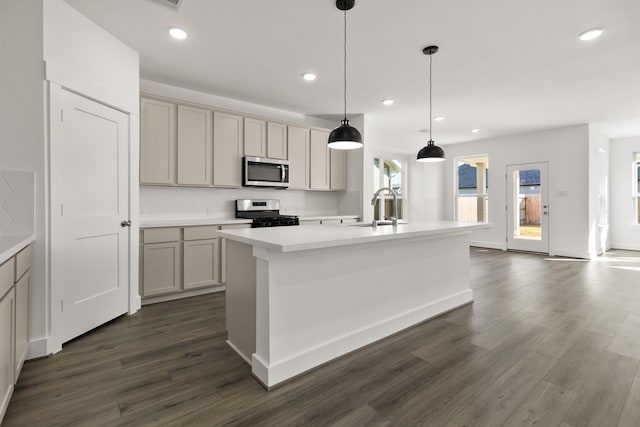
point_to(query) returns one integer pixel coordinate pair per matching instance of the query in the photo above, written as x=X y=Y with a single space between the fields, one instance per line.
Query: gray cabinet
x=227 y=149
x=255 y=137
x=7 y=346
x=223 y=249
x=201 y=257
x=157 y=142
x=276 y=141
x=319 y=160
x=338 y=170
x=195 y=146
x=161 y=268
x=298 y=151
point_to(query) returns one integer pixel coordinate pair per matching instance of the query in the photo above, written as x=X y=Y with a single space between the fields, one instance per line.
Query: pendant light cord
x=430 y=90
x=345 y=64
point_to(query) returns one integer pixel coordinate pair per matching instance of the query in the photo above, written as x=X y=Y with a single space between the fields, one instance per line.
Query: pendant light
x=345 y=136
x=430 y=152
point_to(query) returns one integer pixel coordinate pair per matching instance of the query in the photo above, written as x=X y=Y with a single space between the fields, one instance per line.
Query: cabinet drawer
x=23 y=262
x=234 y=226
x=159 y=235
x=201 y=232
x=6 y=276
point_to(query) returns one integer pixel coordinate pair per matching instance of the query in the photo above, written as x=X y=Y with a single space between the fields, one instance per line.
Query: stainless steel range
x=264 y=213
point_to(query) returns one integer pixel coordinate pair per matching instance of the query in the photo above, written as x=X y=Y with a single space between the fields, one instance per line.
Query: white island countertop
x=12 y=244
x=291 y=239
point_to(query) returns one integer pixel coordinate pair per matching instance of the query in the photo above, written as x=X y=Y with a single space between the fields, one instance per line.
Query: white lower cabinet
x=201 y=263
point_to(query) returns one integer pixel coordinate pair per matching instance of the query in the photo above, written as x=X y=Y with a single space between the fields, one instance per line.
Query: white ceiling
x=504 y=66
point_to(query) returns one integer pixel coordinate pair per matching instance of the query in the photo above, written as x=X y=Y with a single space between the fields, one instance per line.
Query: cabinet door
x=161 y=268
x=22 y=321
x=201 y=263
x=277 y=141
x=255 y=137
x=319 y=160
x=227 y=150
x=298 y=139
x=157 y=142
x=338 y=167
x=7 y=349
x=195 y=145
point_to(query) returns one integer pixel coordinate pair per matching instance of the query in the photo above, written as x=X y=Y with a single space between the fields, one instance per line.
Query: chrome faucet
x=394 y=218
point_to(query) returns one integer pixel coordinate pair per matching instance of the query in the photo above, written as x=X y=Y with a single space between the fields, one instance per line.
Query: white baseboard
x=278 y=371
x=180 y=295
x=241 y=354
x=625 y=246
x=490 y=245
x=38 y=348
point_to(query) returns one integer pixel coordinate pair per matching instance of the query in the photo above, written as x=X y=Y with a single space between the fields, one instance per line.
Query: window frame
x=635 y=191
x=456 y=187
x=404 y=164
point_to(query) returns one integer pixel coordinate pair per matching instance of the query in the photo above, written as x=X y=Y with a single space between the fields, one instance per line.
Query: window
x=636 y=186
x=472 y=189
x=389 y=173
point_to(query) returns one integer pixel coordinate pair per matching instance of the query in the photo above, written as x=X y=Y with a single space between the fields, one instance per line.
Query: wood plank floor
x=548 y=342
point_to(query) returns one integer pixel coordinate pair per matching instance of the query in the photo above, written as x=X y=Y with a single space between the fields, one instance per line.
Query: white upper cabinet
x=319 y=160
x=157 y=142
x=338 y=167
x=298 y=139
x=195 y=146
x=255 y=137
x=228 y=144
x=276 y=141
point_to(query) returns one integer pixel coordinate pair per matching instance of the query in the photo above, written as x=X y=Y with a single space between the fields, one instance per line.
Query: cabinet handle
x=125 y=223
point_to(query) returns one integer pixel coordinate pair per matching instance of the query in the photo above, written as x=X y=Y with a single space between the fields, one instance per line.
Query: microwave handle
x=282 y=173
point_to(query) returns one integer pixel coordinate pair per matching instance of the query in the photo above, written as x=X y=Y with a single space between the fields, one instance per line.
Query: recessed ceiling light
x=178 y=34
x=309 y=76
x=388 y=101
x=591 y=34
x=476 y=130
x=438 y=119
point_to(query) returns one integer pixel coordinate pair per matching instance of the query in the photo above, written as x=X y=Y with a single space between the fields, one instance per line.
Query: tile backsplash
x=17 y=202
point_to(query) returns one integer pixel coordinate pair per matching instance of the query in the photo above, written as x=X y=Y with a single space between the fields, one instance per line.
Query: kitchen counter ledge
x=12 y=244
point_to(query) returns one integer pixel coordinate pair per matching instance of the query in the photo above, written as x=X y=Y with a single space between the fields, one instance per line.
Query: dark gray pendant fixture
x=430 y=152
x=345 y=136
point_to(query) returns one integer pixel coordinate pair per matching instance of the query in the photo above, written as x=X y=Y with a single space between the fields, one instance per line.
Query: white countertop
x=186 y=220
x=11 y=245
x=291 y=239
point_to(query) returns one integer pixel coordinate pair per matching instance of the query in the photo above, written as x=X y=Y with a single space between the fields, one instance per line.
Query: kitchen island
x=298 y=297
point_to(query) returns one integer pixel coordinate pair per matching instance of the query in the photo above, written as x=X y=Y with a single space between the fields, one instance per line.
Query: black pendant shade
x=345 y=136
x=431 y=152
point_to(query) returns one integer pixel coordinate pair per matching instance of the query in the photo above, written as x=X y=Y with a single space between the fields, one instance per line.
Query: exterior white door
x=528 y=207
x=89 y=202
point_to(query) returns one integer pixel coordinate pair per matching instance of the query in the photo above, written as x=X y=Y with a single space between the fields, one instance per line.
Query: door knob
x=125 y=223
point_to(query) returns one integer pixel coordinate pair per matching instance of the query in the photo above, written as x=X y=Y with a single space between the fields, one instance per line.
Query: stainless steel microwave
x=263 y=172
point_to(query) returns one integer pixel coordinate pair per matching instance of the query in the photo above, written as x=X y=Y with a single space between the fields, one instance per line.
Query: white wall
x=218 y=202
x=567 y=152
x=599 y=191
x=22 y=120
x=625 y=234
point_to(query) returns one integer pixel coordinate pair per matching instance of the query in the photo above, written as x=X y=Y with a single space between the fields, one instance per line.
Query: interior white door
x=528 y=207
x=89 y=202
